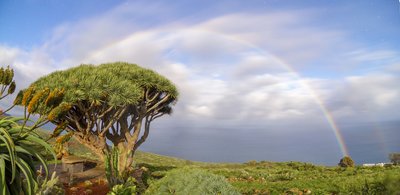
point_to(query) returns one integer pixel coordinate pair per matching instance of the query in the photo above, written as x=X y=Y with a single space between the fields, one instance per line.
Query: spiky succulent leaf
x=116 y=83
x=16 y=153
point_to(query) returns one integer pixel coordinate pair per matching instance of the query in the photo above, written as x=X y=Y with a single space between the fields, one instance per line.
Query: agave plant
x=17 y=156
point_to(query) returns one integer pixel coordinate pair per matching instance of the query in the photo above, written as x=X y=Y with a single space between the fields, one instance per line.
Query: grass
x=290 y=177
x=272 y=177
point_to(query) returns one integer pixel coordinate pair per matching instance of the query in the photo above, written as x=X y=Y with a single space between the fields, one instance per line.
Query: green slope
x=275 y=178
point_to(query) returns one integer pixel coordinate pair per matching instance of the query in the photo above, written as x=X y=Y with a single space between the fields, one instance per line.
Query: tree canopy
x=116 y=84
x=113 y=101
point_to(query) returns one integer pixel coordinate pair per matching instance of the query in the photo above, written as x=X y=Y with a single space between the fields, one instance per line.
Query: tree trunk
x=96 y=146
x=125 y=159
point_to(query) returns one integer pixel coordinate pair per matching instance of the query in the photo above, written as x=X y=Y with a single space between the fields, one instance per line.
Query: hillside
x=272 y=177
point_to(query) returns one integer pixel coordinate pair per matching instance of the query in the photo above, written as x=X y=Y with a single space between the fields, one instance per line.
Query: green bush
x=128 y=188
x=251 y=163
x=382 y=186
x=49 y=187
x=191 y=181
x=392 y=184
x=346 y=162
x=394 y=158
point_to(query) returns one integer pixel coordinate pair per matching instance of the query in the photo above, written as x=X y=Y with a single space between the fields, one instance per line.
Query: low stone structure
x=73 y=164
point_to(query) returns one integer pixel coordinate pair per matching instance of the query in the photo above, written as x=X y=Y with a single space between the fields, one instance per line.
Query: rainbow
x=329 y=117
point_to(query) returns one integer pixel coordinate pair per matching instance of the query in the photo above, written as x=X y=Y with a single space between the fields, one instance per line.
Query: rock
x=74 y=189
x=88 y=191
x=88 y=184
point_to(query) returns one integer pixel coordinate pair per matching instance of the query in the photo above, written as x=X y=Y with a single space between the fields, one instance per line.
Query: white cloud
x=27 y=65
x=364 y=55
x=366 y=96
x=375 y=90
x=395 y=68
x=8 y=54
x=227 y=68
x=254 y=64
x=287 y=34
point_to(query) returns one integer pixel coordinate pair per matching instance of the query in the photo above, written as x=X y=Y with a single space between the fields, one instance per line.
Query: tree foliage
x=394 y=158
x=116 y=84
x=346 y=162
x=114 y=101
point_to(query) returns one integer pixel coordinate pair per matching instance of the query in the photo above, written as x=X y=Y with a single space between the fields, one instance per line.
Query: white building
x=375 y=164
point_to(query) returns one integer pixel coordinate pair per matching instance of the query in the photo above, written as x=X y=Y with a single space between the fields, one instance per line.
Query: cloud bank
x=235 y=69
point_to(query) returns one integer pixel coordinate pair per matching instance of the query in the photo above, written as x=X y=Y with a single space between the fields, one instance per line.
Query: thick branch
x=145 y=134
x=163 y=100
x=106 y=112
x=136 y=131
x=116 y=116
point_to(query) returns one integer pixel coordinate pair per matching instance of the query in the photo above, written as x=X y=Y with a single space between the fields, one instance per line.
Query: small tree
x=346 y=162
x=394 y=158
x=115 y=102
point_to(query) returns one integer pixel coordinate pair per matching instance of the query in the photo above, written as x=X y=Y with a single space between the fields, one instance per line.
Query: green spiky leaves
x=16 y=157
x=116 y=84
x=100 y=101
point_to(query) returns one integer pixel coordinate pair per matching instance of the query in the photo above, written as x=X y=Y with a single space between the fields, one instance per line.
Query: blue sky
x=236 y=63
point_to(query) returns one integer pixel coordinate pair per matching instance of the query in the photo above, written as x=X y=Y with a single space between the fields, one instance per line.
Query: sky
x=282 y=68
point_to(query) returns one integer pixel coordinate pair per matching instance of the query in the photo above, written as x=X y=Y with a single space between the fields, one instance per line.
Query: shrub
x=49 y=187
x=346 y=162
x=251 y=163
x=391 y=183
x=128 y=188
x=394 y=158
x=387 y=185
x=191 y=181
x=373 y=187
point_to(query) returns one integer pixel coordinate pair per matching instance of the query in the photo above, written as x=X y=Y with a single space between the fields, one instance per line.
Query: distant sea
x=367 y=143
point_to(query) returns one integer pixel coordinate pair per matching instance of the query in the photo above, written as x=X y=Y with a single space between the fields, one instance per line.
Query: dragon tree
x=109 y=103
